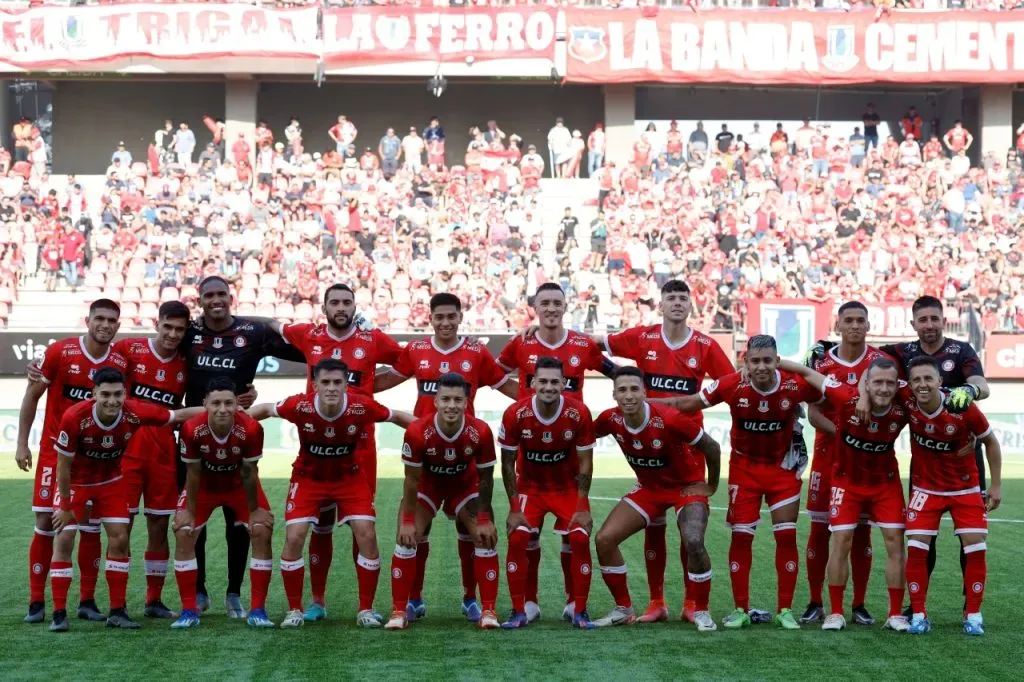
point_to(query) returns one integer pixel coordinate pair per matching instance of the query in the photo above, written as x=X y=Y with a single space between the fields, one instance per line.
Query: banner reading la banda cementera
x=793 y=47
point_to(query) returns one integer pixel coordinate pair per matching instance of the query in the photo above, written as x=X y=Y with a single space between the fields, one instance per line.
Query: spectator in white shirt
x=559 y=146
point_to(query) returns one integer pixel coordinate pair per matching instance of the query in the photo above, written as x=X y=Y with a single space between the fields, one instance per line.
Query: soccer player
x=578 y=354
x=844 y=363
x=763 y=402
x=66 y=374
x=547 y=464
x=331 y=423
x=361 y=350
x=427 y=360
x=658 y=443
x=449 y=465
x=221 y=448
x=675 y=359
x=90 y=443
x=942 y=480
x=155 y=374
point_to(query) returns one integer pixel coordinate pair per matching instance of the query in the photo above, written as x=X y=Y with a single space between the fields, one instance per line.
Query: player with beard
x=427 y=360
x=578 y=354
x=220 y=344
x=361 y=351
x=65 y=376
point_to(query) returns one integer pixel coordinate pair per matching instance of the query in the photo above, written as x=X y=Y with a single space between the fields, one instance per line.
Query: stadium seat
x=94 y=279
x=266 y=297
x=151 y=294
x=269 y=280
x=304 y=312
x=400 y=296
x=188 y=291
x=284 y=311
x=99 y=265
x=399 y=311
x=246 y=309
x=399 y=325
x=250 y=281
x=90 y=294
x=363 y=298
x=251 y=266
x=169 y=294
x=113 y=293
x=247 y=295
x=265 y=310
x=137 y=266
x=6 y=295
x=129 y=311
x=115 y=279
x=148 y=310
x=136 y=280
x=130 y=295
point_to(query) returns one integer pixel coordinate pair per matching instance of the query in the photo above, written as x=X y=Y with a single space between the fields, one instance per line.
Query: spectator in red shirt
x=72 y=254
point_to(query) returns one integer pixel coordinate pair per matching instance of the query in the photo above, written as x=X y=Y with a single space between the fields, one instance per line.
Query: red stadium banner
x=74 y=37
x=1004 y=356
x=378 y=35
x=793 y=47
x=888 y=319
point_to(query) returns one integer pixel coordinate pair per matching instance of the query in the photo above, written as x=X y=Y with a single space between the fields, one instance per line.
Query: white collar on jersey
x=458 y=345
x=347 y=335
x=551 y=346
x=775 y=386
x=152 y=349
x=677 y=346
x=457 y=433
x=96 y=418
x=95 y=361
x=647 y=420
x=558 y=412
x=833 y=353
x=344 y=406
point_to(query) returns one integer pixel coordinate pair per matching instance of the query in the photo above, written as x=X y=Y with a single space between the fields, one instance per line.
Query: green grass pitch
x=445 y=647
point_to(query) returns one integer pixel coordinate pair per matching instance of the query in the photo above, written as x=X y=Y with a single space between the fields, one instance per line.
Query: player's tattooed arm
x=486 y=489
x=510 y=388
x=33 y=392
x=686 y=403
x=385 y=378
x=508 y=472
x=185 y=413
x=819 y=421
x=608 y=368
x=713 y=458
x=994 y=455
x=262 y=411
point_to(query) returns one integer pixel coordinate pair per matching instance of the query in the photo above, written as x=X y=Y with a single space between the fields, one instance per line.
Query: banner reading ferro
x=73 y=37
x=395 y=34
x=793 y=47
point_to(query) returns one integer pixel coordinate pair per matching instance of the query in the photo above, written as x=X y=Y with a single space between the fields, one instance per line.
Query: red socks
x=516 y=569
x=655 y=558
x=367 y=575
x=156 y=574
x=321 y=553
x=817 y=559
x=835 y=598
x=467 y=562
x=185 y=574
x=896 y=600
x=581 y=573
x=532 y=563
x=975 y=573
x=740 y=557
x=616 y=580
x=787 y=562
x=117 y=581
x=293 y=574
x=917 y=574
x=40 y=552
x=260 y=571
x=700 y=590
x=485 y=566
x=89 y=551
x=860 y=563
x=403 y=573
x=419 y=573
x=61 y=574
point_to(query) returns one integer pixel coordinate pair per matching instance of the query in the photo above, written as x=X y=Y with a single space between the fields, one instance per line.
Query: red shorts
x=654 y=503
x=819 y=486
x=747 y=487
x=366 y=457
x=109 y=504
x=926 y=508
x=308 y=497
x=235 y=500
x=535 y=506
x=46 y=479
x=883 y=505
x=448 y=498
x=150 y=471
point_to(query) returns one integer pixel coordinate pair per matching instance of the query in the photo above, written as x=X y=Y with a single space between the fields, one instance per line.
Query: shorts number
x=46 y=479
x=918 y=500
x=816 y=481
x=522 y=503
x=837 y=496
x=292 y=489
x=733 y=492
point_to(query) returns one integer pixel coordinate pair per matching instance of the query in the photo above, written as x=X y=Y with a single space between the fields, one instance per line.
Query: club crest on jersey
x=567 y=435
x=851 y=378
x=221 y=453
x=161 y=375
x=108 y=441
x=785 y=404
x=638 y=444
x=762 y=406
x=329 y=431
x=449 y=454
x=141 y=369
x=574 y=360
x=352 y=428
x=547 y=437
x=218 y=342
x=873 y=427
x=466 y=366
x=948 y=365
x=929 y=428
x=336 y=354
x=652 y=355
x=691 y=363
x=181 y=377
x=239 y=341
x=359 y=353
x=656 y=444
x=445 y=367
x=950 y=429
x=894 y=427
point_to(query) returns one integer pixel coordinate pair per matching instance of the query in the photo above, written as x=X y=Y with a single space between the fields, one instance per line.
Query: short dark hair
x=338 y=287
x=925 y=302
x=675 y=286
x=329 y=365
x=438 y=300
x=453 y=380
x=548 y=362
x=761 y=342
x=882 y=363
x=104 y=304
x=174 y=310
x=549 y=286
x=924 y=361
x=107 y=375
x=852 y=305
x=628 y=371
x=221 y=384
x=213 y=279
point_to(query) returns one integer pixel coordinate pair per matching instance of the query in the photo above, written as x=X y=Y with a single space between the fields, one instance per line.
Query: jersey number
x=918 y=500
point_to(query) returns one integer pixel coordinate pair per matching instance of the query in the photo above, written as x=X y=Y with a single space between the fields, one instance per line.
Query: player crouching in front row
x=449 y=464
x=659 y=445
x=221 y=448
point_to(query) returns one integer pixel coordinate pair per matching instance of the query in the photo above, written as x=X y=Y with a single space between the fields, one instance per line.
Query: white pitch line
x=765 y=512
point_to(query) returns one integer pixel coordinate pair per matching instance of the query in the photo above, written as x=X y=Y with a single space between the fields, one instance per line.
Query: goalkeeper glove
x=960 y=398
x=817 y=353
x=796 y=458
x=362 y=323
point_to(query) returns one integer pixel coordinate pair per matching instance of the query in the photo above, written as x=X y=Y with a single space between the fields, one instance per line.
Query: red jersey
x=841 y=372
x=326 y=445
x=656 y=450
x=762 y=423
x=935 y=442
x=547 y=460
x=67 y=370
x=451 y=462
x=865 y=452
x=361 y=350
x=425 y=361
x=671 y=370
x=96 y=448
x=577 y=352
x=151 y=377
x=221 y=458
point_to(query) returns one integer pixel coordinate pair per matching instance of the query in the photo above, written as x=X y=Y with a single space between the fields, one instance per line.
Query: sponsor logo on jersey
x=865 y=445
x=214 y=361
x=670 y=384
x=424 y=364
x=359 y=353
x=762 y=425
x=77 y=393
x=355 y=378
x=453 y=470
x=141 y=369
x=325 y=450
x=104 y=454
x=427 y=387
x=932 y=443
x=224 y=468
x=651 y=355
x=744 y=403
x=545 y=456
x=645 y=462
x=154 y=395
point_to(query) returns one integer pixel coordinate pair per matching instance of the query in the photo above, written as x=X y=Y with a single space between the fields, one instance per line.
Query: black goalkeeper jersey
x=957 y=360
